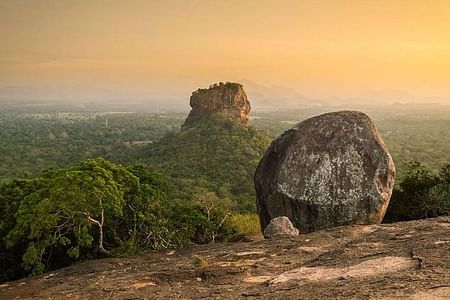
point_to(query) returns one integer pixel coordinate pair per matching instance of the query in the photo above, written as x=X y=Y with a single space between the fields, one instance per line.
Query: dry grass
x=247 y=224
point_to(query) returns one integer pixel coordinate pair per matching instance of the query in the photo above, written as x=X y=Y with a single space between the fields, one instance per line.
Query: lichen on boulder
x=327 y=171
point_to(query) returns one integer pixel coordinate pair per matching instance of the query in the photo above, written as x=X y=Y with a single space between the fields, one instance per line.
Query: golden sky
x=321 y=47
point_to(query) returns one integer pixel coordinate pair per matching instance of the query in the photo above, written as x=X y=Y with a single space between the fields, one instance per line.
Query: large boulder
x=327 y=171
x=227 y=100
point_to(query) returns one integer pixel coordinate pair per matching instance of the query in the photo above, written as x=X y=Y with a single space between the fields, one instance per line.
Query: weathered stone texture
x=327 y=171
x=225 y=99
x=280 y=226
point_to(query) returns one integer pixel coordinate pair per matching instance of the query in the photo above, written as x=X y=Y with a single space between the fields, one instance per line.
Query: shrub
x=421 y=194
x=245 y=223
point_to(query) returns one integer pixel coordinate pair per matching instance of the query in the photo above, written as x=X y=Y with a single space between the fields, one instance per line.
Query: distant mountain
x=263 y=98
x=274 y=97
x=389 y=96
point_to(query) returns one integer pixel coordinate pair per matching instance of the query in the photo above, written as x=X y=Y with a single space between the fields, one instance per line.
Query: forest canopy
x=97 y=208
x=217 y=154
x=161 y=187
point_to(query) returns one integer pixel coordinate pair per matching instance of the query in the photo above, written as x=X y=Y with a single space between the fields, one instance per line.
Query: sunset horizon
x=319 y=49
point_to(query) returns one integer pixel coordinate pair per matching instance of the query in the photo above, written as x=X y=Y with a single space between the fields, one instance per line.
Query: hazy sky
x=333 y=47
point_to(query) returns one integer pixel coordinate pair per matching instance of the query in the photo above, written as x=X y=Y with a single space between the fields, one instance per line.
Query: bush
x=421 y=194
x=247 y=224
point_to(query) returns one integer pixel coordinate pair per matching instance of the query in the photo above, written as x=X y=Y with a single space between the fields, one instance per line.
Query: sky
x=320 y=48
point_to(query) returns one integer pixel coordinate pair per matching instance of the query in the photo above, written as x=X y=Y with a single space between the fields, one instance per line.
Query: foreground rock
x=280 y=226
x=327 y=171
x=407 y=260
x=224 y=99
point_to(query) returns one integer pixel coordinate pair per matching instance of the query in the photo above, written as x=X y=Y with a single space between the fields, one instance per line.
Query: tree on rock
x=58 y=217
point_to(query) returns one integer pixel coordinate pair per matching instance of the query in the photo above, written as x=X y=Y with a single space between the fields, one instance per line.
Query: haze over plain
x=385 y=51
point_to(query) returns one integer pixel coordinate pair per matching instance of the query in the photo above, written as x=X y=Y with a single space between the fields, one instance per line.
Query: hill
x=217 y=154
x=407 y=260
x=215 y=149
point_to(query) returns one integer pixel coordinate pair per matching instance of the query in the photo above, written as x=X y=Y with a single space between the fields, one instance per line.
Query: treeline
x=422 y=193
x=98 y=208
x=410 y=133
x=32 y=143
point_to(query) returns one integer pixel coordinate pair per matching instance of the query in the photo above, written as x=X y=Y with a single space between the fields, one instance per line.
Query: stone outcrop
x=224 y=99
x=327 y=171
x=406 y=260
x=280 y=226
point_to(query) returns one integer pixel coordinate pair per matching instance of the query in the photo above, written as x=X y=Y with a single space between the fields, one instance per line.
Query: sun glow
x=317 y=47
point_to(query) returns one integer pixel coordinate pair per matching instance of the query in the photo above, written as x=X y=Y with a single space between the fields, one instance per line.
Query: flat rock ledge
x=408 y=260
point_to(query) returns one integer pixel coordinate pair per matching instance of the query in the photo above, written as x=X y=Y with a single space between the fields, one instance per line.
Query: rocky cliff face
x=327 y=171
x=224 y=99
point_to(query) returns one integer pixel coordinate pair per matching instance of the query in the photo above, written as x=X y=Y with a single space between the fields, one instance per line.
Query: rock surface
x=225 y=99
x=280 y=226
x=327 y=171
x=408 y=260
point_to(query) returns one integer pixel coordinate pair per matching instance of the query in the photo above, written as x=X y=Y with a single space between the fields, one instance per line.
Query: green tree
x=98 y=208
x=215 y=154
x=217 y=210
x=421 y=194
x=11 y=194
x=60 y=215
